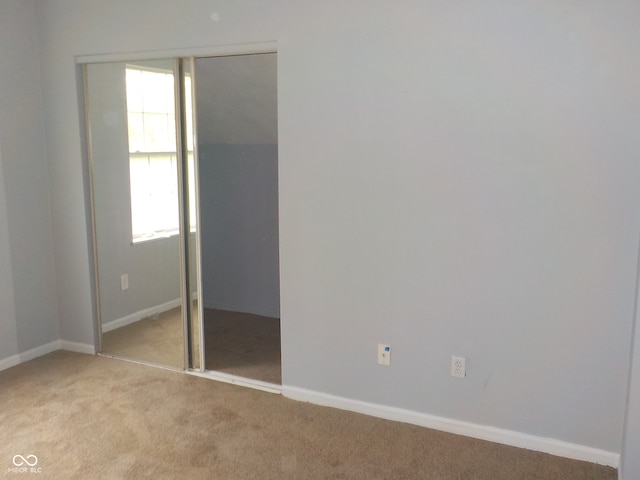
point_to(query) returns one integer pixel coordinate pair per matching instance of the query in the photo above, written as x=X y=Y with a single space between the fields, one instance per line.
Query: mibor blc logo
x=25 y=464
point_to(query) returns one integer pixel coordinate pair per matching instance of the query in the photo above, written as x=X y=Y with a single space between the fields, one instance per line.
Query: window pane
x=159 y=132
x=164 y=194
x=158 y=92
x=153 y=177
x=134 y=90
x=154 y=194
x=136 y=132
x=140 y=196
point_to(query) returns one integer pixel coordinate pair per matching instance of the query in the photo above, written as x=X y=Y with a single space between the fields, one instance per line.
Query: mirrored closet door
x=237 y=124
x=139 y=121
x=186 y=232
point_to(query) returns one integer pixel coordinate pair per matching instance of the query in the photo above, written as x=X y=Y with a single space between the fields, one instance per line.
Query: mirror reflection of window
x=152 y=152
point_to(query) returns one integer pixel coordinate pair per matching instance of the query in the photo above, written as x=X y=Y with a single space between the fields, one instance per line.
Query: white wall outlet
x=124 y=281
x=458 y=367
x=384 y=354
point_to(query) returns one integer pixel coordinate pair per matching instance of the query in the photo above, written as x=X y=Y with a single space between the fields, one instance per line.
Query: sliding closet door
x=139 y=188
x=236 y=100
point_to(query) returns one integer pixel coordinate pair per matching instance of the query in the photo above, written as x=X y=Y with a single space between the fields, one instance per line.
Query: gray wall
x=238 y=169
x=456 y=177
x=28 y=303
x=153 y=267
x=237 y=99
x=239 y=228
x=8 y=334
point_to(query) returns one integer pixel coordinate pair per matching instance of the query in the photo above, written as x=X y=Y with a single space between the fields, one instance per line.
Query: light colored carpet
x=243 y=344
x=88 y=417
x=155 y=339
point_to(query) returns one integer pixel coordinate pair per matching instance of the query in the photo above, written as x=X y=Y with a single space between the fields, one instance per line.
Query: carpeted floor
x=236 y=343
x=243 y=344
x=155 y=339
x=88 y=417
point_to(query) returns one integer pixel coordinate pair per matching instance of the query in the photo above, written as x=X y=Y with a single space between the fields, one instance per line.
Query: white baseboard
x=139 y=315
x=44 y=349
x=9 y=362
x=483 y=432
x=39 y=351
x=77 y=347
x=29 y=355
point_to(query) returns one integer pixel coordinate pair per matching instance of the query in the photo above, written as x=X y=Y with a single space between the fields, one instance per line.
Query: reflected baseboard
x=139 y=315
x=144 y=313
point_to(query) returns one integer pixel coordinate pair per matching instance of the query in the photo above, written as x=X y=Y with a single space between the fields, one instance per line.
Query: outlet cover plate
x=458 y=367
x=384 y=354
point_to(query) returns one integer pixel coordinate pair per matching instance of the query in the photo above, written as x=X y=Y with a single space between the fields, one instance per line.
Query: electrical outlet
x=384 y=354
x=124 y=281
x=458 y=367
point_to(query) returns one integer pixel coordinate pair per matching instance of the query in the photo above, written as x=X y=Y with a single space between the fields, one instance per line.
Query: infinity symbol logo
x=30 y=460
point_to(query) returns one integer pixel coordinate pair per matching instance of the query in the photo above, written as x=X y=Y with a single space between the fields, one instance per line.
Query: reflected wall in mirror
x=237 y=125
x=135 y=192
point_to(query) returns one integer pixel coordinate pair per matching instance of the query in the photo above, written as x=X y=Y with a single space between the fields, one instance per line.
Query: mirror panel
x=134 y=165
x=237 y=124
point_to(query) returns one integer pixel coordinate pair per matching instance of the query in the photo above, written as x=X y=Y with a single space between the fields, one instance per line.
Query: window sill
x=155 y=237
x=159 y=236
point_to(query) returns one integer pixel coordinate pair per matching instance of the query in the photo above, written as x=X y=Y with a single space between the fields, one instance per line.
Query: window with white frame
x=152 y=153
